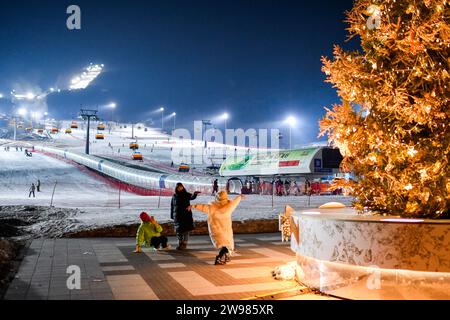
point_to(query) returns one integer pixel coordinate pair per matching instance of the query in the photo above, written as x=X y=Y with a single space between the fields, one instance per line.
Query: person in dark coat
x=32 y=189
x=38 y=186
x=182 y=215
x=279 y=187
x=215 y=187
x=307 y=187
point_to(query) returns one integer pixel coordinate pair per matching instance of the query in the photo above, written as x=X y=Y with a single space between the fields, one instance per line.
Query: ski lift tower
x=88 y=115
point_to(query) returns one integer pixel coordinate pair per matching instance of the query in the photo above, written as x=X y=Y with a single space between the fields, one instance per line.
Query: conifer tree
x=392 y=125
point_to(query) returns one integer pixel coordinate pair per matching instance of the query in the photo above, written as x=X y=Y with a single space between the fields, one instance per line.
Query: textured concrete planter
x=372 y=257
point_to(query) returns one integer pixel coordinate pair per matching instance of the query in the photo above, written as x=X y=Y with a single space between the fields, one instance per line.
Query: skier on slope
x=220 y=224
x=32 y=189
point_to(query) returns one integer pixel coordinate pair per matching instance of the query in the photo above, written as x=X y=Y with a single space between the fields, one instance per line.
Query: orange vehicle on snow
x=137 y=156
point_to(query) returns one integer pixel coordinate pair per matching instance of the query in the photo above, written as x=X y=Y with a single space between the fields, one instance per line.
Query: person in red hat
x=149 y=234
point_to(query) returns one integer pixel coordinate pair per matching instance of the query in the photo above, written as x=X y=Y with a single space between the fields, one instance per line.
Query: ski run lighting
x=83 y=80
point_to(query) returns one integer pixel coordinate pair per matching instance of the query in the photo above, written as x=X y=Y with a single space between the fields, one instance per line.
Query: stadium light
x=291 y=121
x=88 y=75
x=174 y=115
x=162 y=118
x=22 y=112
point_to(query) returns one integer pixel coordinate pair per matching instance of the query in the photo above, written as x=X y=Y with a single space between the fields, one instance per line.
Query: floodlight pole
x=290 y=138
x=15 y=127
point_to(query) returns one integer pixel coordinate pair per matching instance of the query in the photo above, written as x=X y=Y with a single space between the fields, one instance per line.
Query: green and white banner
x=270 y=163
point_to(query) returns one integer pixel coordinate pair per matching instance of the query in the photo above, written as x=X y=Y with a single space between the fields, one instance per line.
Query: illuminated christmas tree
x=392 y=126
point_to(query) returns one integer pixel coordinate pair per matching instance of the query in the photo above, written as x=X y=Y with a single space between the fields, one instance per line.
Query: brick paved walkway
x=110 y=270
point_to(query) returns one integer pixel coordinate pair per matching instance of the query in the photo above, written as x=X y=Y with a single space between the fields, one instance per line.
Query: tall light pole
x=174 y=115
x=112 y=105
x=225 y=116
x=291 y=121
x=162 y=118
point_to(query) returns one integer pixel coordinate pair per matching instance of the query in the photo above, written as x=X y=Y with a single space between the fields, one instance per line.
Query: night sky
x=257 y=60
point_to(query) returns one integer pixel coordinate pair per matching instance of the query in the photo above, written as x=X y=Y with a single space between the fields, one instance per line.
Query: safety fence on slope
x=157 y=183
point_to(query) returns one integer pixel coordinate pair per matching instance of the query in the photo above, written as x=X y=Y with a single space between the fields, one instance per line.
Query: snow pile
x=33 y=221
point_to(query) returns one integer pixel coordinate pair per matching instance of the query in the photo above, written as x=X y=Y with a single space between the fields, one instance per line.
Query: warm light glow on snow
x=403 y=220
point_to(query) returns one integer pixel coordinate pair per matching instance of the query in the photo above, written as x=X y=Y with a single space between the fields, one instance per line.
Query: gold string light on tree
x=392 y=126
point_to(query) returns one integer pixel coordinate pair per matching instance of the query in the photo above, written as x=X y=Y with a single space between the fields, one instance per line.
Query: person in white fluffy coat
x=220 y=224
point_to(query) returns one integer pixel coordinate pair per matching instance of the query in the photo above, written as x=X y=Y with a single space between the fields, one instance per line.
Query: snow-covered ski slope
x=75 y=186
x=78 y=188
x=158 y=149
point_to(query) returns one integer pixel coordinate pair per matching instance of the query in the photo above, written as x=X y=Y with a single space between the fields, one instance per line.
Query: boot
x=219 y=260
x=180 y=245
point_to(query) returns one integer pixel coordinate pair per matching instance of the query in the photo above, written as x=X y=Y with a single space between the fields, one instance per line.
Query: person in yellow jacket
x=220 y=224
x=149 y=234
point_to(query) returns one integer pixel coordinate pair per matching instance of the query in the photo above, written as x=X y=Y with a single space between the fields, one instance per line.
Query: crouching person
x=220 y=224
x=149 y=234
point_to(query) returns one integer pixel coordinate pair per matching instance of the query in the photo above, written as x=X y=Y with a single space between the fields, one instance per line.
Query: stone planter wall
x=372 y=257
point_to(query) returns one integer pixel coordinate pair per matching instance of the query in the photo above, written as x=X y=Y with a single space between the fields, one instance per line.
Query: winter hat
x=222 y=197
x=144 y=217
